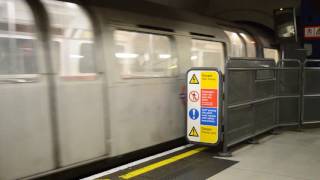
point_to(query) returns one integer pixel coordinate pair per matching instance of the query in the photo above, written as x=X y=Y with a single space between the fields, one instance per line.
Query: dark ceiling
x=257 y=11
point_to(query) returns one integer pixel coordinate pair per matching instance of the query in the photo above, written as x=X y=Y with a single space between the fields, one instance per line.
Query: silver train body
x=83 y=82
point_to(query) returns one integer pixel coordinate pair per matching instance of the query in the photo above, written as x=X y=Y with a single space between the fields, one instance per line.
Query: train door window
x=271 y=53
x=238 y=48
x=17 y=38
x=144 y=54
x=207 y=54
x=73 y=39
x=251 y=45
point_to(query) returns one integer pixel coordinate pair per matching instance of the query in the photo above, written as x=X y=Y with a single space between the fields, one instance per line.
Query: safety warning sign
x=203 y=106
x=193 y=114
x=194 y=96
x=193 y=132
x=194 y=80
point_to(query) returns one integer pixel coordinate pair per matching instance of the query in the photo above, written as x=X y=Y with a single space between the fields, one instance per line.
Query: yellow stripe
x=161 y=163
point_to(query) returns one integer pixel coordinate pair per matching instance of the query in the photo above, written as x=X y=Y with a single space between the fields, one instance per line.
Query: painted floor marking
x=159 y=164
x=135 y=163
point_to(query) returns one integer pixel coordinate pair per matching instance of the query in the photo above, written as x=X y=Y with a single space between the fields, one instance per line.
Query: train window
x=271 y=53
x=237 y=47
x=207 y=54
x=17 y=38
x=73 y=38
x=251 y=45
x=144 y=54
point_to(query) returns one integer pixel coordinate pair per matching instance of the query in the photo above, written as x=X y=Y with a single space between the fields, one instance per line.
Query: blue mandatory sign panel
x=209 y=116
x=193 y=113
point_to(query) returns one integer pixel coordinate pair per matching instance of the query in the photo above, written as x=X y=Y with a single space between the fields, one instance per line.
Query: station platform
x=291 y=155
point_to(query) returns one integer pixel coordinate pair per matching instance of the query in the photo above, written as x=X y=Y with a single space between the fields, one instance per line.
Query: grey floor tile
x=290 y=155
x=240 y=174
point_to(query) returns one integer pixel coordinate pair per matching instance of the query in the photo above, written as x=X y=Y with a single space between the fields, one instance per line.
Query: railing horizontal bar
x=252 y=102
x=289 y=96
x=290 y=68
x=265 y=130
x=264 y=80
x=249 y=69
x=240 y=128
x=250 y=136
x=288 y=124
x=311 y=68
x=311 y=95
x=311 y=122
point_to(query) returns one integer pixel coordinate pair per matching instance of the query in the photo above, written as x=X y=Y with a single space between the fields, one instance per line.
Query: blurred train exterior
x=83 y=82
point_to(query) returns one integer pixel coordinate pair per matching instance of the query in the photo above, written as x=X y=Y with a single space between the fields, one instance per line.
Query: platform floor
x=290 y=155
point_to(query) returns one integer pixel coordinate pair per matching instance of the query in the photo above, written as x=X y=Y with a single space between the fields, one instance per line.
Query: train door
x=25 y=124
x=78 y=85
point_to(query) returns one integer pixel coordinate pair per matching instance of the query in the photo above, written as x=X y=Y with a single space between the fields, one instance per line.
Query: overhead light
x=173 y=67
x=194 y=57
x=164 y=56
x=71 y=5
x=281 y=9
x=126 y=55
x=75 y=56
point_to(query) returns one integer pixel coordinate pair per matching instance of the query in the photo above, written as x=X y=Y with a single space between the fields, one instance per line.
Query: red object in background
x=209 y=98
x=312 y=32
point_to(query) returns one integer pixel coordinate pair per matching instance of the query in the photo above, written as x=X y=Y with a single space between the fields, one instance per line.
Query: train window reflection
x=207 y=54
x=237 y=46
x=72 y=34
x=271 y=53
x=144 y=55
x=251 y=45
x=17 y=38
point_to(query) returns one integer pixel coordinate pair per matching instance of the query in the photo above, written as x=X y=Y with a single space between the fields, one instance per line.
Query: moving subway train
x=80 y=82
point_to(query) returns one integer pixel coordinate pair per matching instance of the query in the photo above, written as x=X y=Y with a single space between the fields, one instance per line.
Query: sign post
x=203 y=107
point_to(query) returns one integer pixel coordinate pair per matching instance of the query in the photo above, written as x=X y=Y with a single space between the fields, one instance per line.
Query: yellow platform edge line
x=161 y=163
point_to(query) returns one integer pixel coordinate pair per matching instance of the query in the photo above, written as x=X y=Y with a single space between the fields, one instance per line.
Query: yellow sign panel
x=194 y=80
x=209 y=80
x=208 y=134
x=193 y=132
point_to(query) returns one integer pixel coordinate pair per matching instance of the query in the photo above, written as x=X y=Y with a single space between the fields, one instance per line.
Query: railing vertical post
x=303 y=77
x=225 y=151
x=301 y=92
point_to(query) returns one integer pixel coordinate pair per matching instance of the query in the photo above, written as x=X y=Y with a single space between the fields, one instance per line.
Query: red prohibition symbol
x=194 y=96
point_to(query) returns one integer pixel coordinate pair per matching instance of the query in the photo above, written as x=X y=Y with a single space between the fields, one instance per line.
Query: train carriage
x=85 y=81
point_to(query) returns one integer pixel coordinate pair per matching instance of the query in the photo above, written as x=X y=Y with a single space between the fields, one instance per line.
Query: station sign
x=203 y=105
x=312 y=32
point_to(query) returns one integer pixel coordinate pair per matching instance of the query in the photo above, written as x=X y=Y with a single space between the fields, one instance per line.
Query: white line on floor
x=126 y=166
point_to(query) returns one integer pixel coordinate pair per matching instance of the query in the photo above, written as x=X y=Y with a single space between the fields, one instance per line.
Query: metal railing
x=311 y=92
x=260 y=95
x=250 y=99
x=289 y=92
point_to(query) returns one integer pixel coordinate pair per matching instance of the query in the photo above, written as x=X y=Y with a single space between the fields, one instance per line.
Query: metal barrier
x=250 y=99
x=260 y=96
x=289 y=92
x=311 y=92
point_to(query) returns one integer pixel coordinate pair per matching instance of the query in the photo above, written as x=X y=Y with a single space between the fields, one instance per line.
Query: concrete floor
x=288 y=156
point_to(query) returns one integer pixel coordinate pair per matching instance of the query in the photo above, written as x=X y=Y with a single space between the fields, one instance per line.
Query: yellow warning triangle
x=193 y=132
x=194 y=80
